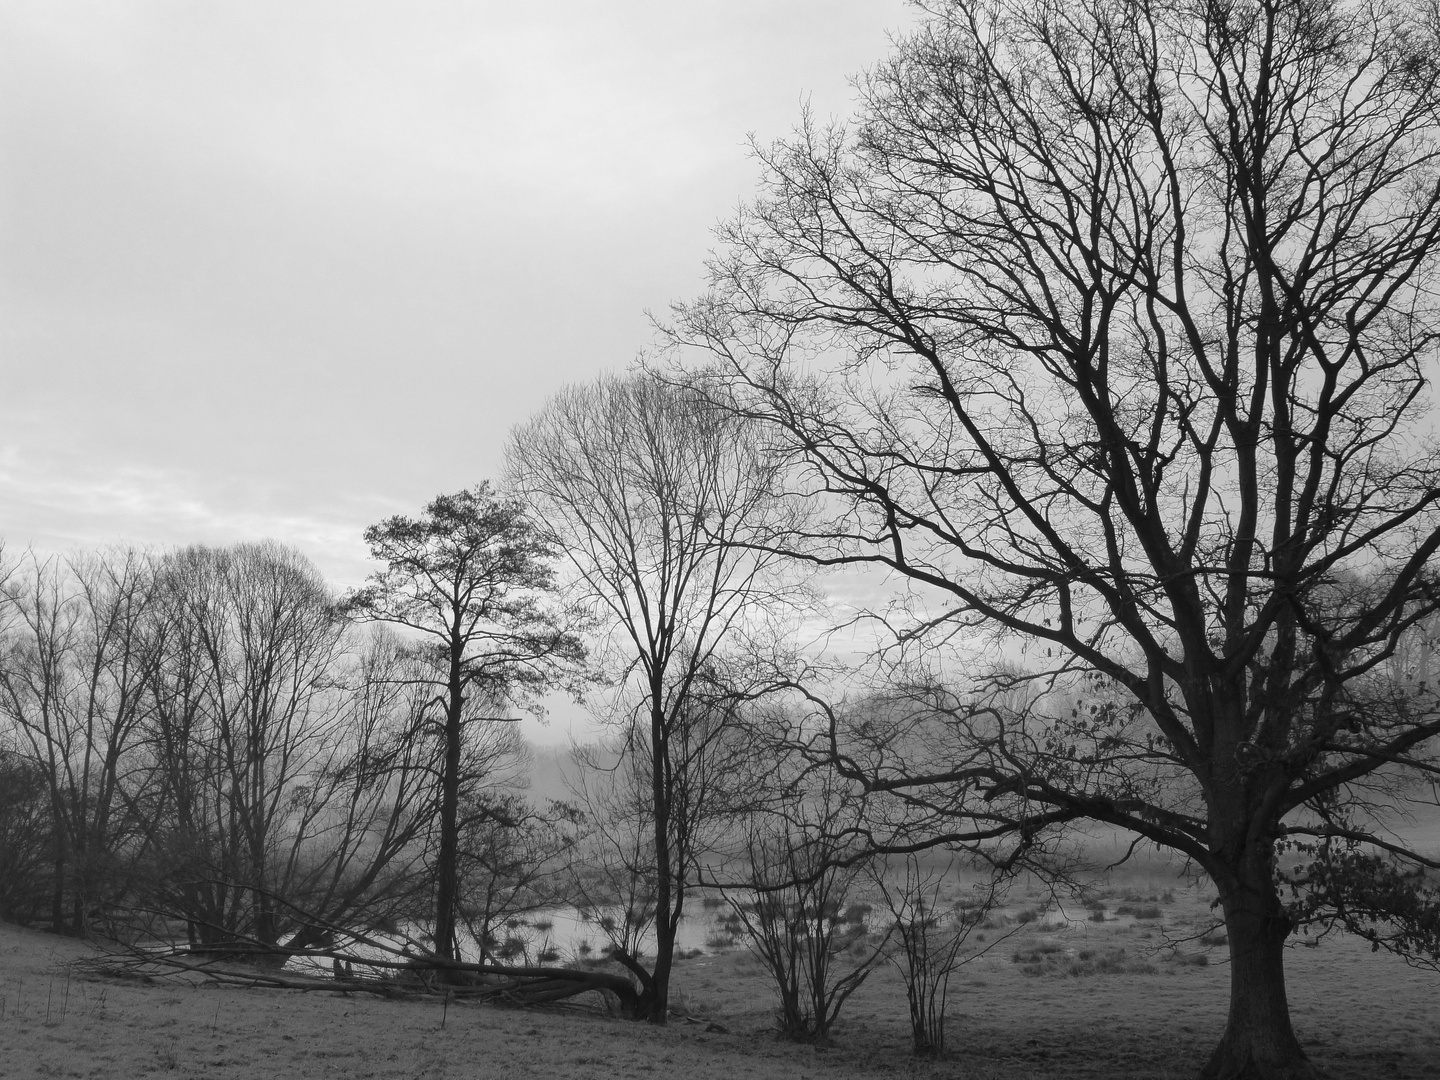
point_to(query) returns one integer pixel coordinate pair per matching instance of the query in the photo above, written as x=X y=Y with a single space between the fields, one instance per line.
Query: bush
x=1053 y=960
x=856 y=914
x=794 y=927
x=1146 y=911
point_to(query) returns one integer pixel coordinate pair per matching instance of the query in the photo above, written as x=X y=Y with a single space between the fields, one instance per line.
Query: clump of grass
x=1198 y=959
x=1107 y=962
x=1053 y=927
x=1054 y=961
x=682 y=1004
x=1094 y=903
x=856 y=914
x=1027 y=915
x=1037 y=954
x=1140 y=911
x=1098 y=915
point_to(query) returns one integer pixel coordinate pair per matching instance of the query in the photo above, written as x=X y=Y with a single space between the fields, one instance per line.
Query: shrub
x=1052 y=960
x=794 y=927
x=1145 y=911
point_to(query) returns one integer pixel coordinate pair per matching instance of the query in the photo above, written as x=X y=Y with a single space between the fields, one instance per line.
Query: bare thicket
x=283 y=801
x=931 y=933
x=78 y=654
x=802 y=907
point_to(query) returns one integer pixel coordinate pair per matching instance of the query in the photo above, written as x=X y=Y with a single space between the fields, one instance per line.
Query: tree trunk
x=447 y=885
x=57 y=892
x=664 y=961
x=661 y=790
x=1258 y=1043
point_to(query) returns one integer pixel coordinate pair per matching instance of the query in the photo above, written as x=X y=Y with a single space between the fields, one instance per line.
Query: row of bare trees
x=203 y=737
x=221 y=742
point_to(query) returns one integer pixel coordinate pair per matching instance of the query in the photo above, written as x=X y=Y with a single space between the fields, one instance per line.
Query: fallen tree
x=398 y=974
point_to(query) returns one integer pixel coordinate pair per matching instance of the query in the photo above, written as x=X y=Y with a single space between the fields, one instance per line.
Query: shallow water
x=565 y=933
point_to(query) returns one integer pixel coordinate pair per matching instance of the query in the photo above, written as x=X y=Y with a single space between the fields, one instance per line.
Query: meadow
x=1129 y=985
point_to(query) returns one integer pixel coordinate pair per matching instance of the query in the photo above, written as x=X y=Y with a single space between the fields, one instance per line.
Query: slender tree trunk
x=1258 y=1043
x=60 y=860
x=659 y=1005
x=57 y=892
x=447 y=884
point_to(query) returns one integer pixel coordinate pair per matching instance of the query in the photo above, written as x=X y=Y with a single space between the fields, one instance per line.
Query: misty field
x=1135 y=993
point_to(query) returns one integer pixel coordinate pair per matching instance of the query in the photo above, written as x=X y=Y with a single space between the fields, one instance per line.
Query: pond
x=569 y=935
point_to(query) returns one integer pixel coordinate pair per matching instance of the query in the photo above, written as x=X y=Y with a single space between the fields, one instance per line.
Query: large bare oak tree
x=1106 y=326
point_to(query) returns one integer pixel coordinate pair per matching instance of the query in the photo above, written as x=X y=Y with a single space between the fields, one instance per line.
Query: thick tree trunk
x=1258 y=1043
x=664 y=961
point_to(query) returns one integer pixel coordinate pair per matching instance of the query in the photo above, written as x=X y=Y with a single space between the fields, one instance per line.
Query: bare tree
x=242 y=721
x=291 y=789
x=72 y=685
x=803 y=917
x=1105 y=330
x=931 y=933
x=25 y=841
x=662 y=505
x=473 y=578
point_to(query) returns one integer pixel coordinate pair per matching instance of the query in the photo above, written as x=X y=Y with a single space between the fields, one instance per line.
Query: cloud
x=55 y=504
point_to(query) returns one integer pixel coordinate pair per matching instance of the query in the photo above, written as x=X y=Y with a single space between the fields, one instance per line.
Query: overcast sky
x=282 y=268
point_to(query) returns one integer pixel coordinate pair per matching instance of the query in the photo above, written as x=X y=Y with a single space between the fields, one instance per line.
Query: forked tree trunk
x=1258 y=1042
